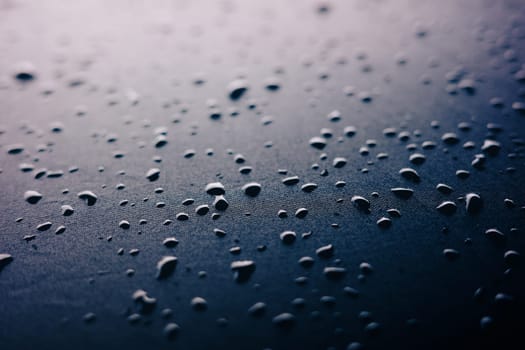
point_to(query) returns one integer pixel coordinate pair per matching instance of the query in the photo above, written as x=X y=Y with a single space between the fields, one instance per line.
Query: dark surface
x=158 y=50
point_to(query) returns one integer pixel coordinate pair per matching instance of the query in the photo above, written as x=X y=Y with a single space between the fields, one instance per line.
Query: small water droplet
x=284 y=320
x=171 y=330
x=153 y=174
x=288 y=237
x=318 y=142
x=166 y=267
x=32 y=197
x=242 y=270
x=447 y=207
x=44 y=226
x=402 y=192
x=257 y=310
x=88 y=196
x=237 y=88
x=215 y=189
x=252 y=189
x=199 y=304
x=334 y=273
x=220 y=203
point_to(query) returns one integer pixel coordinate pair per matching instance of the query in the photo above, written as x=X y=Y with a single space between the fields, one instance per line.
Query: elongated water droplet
x=252 y=189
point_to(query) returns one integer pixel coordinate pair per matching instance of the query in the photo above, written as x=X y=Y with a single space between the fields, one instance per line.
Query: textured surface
x=106 y=75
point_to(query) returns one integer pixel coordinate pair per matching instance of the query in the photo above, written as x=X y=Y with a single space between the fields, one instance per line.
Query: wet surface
x=262 y=174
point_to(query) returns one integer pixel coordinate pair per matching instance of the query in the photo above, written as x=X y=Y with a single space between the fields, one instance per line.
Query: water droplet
x=215 y=189
x=291 y=180
x=486 y=322
x=252 y=189
x=16 y=148
x=451 y=254
x=467 y=85
x=188 y=201
x=282 y=214
x=219 y=232
x=134 y=318
x=189 y=153
x=410 y=174
x=87 y=196
x=354 y=346
x=366 y=268
x=349 y=131
x=462 y=174
x=166 y=267
x=153 y=174
x=242 y=270
x=182 y=216
x=447 y=207
x=495 y=234
x=301 y=213
x=170 y=242
x=199 y=304
x=394 y=213
x=202 y=209
x=25 y=72
x=237 y=88
x=124 y=224
x=445 y=189
x=309 y=187
x=491 y=147
x=334 y=273
x=479 y=161
x=245 y=170
x=44 y=226
x=417 y=158
x=284 y=320
x=146 y=303
x=32 y=197
x=334 y=116
x=450 y=138
x=220 y=203
x=90 y=317
x=373 y=328
x=257 y=310
x=403 y=193
x=361 y=203
x=160 y=141
x=306 y=262
x=171 y=330
x=512 y=258
x=325 y=252
x=473 y=203
x=339 y=162
x=318 y=142
x=384 y=222
x=5 y=259
x=272 y=83
x=288 y=237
